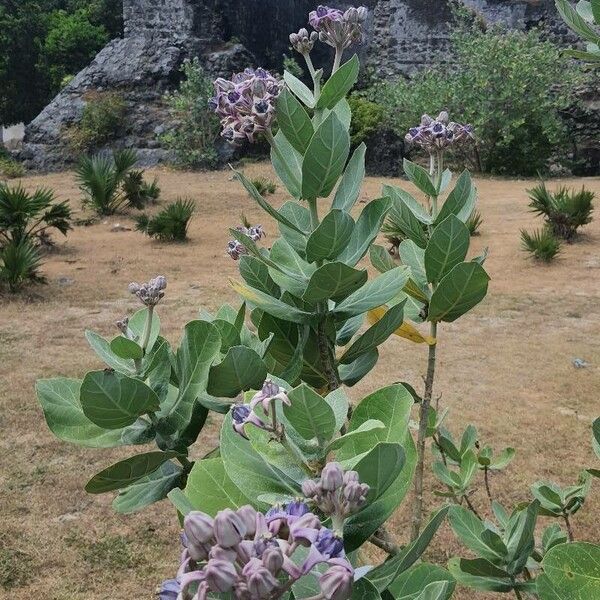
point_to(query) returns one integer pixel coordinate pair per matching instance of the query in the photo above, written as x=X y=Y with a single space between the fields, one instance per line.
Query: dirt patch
x=507 y=367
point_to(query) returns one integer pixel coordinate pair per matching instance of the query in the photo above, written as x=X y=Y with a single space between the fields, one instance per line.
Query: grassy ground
x=506 y=367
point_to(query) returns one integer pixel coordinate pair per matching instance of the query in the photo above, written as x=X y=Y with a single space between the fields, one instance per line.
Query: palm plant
x=19 y=262
x=542 y=243
x=138 y=192
x=564 y=210
x=101 y=177
x=474 y=223
x=170 y=224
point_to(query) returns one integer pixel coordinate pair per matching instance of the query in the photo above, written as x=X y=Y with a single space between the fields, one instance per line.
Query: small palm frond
x=474 y=222
x=124 y=161
x=170 y=224
x=19 y=263
x=542 y=243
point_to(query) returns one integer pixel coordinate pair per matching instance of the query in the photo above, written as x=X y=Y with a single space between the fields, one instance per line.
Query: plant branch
x=569 y=527
x=383 y=540
x=486 y=479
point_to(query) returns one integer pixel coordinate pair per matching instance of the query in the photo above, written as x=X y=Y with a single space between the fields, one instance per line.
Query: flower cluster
x=243 y=414
x=435 y=135
x=336 y=28
x=150 y=293
x=336 y=493
x=303 y=42
x=246 y=104
x=251 y=555
x=236 y=249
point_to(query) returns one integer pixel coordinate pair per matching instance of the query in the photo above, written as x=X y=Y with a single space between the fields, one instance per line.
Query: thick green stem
x=314 y=213
x=327 y=357
x=315 y=77
x=417 y=516
x=569 y=528
x=337 y=60
x=147 y=328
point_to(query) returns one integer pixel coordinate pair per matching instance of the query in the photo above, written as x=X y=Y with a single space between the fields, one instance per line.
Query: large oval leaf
x=309 y=414
x=241 y=369
x=334 y=281
x=330 y=237
x=112 y=400
x=294 y=121
x=446 y=248
x=339 y=84
x=348 y=191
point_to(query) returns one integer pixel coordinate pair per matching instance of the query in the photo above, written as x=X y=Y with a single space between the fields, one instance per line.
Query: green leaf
x=458 y=292
x=438 y=590
x=249 y=471
x=256 y=274
x=200 y=345
x=294 y=121
x=300 y=217
x=480 y=574
x=571 y=571
x=596 y=436
x=291 y=272
x=419 y=177
x=392 y=568
x=404 y=218
x=595 y=4
x=446 y=248
x=301 y=91
x=519 y=537
x=287 y=162
x=125 y=348
x=381 y=259
x=63 y=413
x=325 y=158
x=330 y=237
x=576 y=22
x=126 y=472
x=401 y=196
x=210 y=490
x=270 y=305
x=112 y=400
x=380 y=468
x=310 y=414
x=552 y=536
x=460 y=201
x=334 y=281
x=391 y=406
x=469 y=529
x=149 y=489
x=137 y=324
x=373 y=294
x=255 y=195
x=348 y=191
x=375 y=335
x=363 y=431
x=366 y=230
x=339 y=84
x=410 y=584
x=242 y=369
x=102 y=348
x=351 y=374
x=363 y=589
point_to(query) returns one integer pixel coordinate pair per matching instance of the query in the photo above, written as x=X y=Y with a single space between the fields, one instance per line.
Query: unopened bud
x=220 y=575
x=259 y=579
x=309 y=488
x=332 y=477
x=248 y=516
x=272 y=559
x=198 y=527
x=336 y=583
x=229 y=529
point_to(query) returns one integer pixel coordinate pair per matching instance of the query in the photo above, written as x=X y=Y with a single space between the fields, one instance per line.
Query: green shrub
x=170 y=224
x=510 y=85
x=19 y=263
x=196 y=127
x=101 y=178
x=367 y=116
x=474 y=223
x=264 y=185
x=542 y=243
x=10 y=168
x=564 y=211
x=102 y=120
x=138 y=192
x=291 y=65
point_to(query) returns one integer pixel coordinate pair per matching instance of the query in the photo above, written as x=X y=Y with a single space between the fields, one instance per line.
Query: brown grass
x=506 y=367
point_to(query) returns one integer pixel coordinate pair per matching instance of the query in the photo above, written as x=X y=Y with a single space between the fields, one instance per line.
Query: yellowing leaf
x=406 y=330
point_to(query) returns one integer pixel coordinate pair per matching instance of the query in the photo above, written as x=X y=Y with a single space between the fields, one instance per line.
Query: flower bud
x=332 y=477
x=336 y=583
x=220 y=575
x=272 y=559
x=229 y=529
x=350 y=476
x=248 y=516
x=198 y=528
x=219 y=553
x=259 y=579
x=310 y=488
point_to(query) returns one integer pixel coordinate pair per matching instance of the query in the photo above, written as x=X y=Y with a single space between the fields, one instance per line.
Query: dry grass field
x=507 y=367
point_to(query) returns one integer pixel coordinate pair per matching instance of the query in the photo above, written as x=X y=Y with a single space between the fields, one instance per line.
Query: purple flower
x=169 y=590
x=150 y=293
x=336 y=583
x=236 y=249
x=435 y=135
x=242 y=415
x=246 y=104
x=268 y=394
x=336 y=28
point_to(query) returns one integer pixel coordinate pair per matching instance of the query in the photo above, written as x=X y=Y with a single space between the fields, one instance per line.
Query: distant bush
x=510 y=85
x=11 y=168
x=170 y=224
x=196 y=127
x=564 y=211
x=542 y=244
x=101 y=178
x=138 y=192
x=367 y=116
x=474 y=223
x=103 y=118
x=26 y=220
x=264 y=185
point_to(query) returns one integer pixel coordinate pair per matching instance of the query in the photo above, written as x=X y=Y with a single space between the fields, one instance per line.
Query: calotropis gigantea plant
x=583 y=19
